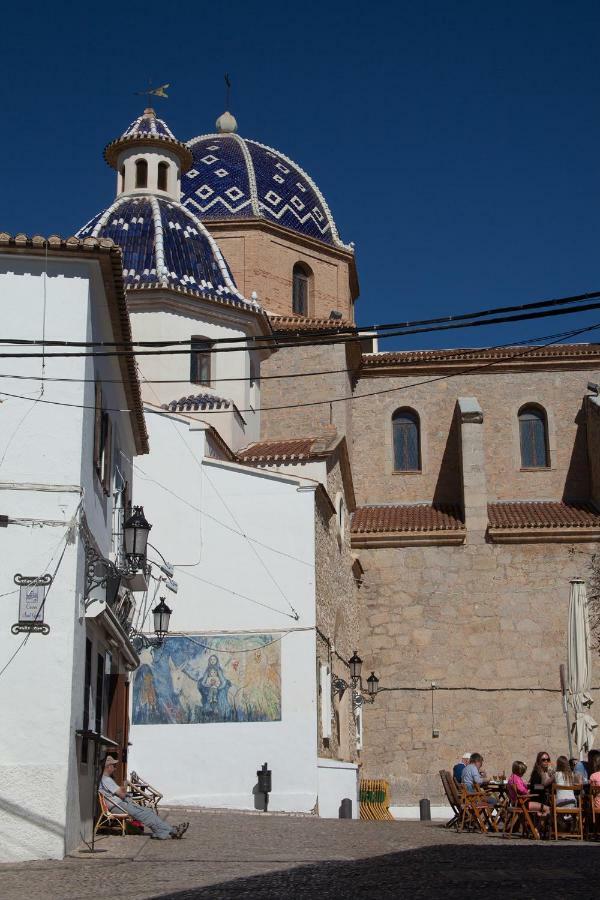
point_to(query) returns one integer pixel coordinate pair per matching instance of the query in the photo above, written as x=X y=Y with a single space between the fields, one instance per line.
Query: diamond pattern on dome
x=227 y=173
x=226 y=161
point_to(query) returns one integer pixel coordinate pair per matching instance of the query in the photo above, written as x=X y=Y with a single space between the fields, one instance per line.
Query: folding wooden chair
x=593 y=813
x=108 y=818
x=142 y=792
x=573 y=810
x=453 y=797
x=519 y=813
x=476 y=811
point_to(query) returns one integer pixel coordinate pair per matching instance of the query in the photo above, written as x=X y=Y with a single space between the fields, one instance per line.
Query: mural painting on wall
x=195 y=679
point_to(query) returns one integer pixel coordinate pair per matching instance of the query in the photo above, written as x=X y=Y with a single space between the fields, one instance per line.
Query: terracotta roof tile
x=307 y=324
x=554 y=351
x=295 y=448
x=542 y=514
x=413 y=517
x=195 y=402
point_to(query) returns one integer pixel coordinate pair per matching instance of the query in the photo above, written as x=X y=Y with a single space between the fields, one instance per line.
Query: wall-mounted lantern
x=162 y=616
x=136 y=530
x=372 y=685
x=355 y=663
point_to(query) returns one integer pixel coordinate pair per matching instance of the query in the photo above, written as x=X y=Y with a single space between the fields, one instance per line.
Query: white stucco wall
x=337 y=781
x=207 y=320
x=246 y=586
x=45 y=471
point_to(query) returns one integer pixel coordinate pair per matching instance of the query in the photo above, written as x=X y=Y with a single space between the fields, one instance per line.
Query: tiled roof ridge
x=501 y=353
x=195 y=402
x=300 y=321
x=54 y=242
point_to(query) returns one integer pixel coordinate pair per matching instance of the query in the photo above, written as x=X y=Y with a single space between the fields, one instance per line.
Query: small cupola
x=148 y=158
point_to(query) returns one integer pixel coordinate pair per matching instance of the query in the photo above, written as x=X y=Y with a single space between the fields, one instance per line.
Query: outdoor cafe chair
x=142 y=792
x=476 y=812
x=518 y=813
x=108 y=818
x=576 y=812
x=453 y=796
x=593 y=813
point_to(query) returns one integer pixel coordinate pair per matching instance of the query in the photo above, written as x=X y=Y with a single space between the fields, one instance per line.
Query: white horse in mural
x=186 y=689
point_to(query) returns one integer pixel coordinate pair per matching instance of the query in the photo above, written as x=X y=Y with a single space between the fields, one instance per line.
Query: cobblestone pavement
x=235 y=855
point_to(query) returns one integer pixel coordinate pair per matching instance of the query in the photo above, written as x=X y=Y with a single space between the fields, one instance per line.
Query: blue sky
x=456 y=142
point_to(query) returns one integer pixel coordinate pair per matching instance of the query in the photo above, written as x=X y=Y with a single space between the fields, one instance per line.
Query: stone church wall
x=501 y=395
x=486 y=616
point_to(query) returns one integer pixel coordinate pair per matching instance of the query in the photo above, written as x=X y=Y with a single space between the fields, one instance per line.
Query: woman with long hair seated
x=542 y=776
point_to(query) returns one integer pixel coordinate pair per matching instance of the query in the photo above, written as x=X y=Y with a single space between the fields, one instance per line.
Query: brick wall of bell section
x=263 y=261
x=320 y=389
x=337 y=615
x=500 y=396
x=481 y=615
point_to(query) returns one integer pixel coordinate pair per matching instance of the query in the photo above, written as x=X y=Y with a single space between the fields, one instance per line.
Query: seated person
x=472 y=777
x=516 y=788
x=595 y=782
x=117 y=801
x=583 y=770
x=461 y=766
x=565 y=776
x=542 y=776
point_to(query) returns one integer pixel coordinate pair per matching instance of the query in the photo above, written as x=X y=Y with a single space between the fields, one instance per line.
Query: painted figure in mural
x=146 y=702
x=214 y=687
x=188 y=697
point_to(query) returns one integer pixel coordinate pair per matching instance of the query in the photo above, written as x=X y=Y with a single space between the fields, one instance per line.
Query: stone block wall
x=262 y=258
x=592 y=409
x=337 y=613
x=317 y=389
x=500 y=395
x=487 y=616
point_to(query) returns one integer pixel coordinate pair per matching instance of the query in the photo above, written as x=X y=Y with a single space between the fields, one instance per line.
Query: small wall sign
x=32 y=599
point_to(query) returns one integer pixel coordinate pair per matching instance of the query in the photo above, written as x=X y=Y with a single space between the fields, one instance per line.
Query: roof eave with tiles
x=586 y=355
x=537 y=520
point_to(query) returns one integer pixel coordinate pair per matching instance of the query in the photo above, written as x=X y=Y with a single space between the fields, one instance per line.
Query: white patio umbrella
x=579 y=669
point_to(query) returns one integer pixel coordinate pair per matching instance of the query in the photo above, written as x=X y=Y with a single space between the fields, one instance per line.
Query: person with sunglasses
x=542 y=776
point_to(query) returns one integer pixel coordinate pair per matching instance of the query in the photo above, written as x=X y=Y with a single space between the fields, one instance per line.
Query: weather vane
x=227 y=90
x=159 y=91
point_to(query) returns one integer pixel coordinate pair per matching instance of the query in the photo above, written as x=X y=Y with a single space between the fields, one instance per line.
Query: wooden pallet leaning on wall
x=375 y=799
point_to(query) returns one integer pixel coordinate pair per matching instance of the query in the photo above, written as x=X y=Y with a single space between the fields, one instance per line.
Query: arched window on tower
x=163 y=169
x=122 y=175
x=406 y=439
x=201 y=361
x=141 y=173
x=533 y=436
x=301 y=283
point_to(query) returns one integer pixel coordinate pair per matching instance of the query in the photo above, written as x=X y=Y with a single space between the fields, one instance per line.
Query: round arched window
x=301 y=282
x=406 y=441
x=141 y=173
x=533 y=436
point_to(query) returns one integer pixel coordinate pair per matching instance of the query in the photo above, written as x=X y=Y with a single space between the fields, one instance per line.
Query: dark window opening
x=122 y=174
x=406 y=440
x=533 y=436
x=163 y=169
x=99 y=693
x=200 y=361
x=102 y=441
x=87 y=686
x=141 y=173
x=300 y=289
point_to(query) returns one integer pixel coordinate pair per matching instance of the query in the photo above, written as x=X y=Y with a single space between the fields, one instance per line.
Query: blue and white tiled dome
x=164 y=245
x=235 y=178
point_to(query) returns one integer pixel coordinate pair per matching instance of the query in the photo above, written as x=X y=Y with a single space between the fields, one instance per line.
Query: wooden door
x=118 y=721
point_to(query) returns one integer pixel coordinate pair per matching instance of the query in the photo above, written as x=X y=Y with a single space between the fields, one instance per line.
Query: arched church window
x=301 y=278
x=406 y=439
x=163 y=169
x=141 y=173
x=200 y=361
x=122 y=175
x=533 y=436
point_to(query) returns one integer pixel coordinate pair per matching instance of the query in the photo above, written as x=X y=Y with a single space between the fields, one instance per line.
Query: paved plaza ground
x=236 y=855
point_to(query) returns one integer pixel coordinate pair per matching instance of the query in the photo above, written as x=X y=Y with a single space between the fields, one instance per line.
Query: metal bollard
x=425 y=810
x=346 y=808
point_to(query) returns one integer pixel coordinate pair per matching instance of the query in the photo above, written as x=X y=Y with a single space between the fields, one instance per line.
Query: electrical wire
x=220 y=587
x=352 y=397
x=352 y=331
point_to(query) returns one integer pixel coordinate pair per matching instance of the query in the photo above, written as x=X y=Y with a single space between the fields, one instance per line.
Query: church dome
x=164 y=245
x=236 y=178
x=148 y=131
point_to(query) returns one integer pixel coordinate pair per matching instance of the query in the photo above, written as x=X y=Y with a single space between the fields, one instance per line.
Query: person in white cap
x=461 y=765
x=116 y=799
